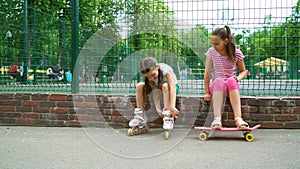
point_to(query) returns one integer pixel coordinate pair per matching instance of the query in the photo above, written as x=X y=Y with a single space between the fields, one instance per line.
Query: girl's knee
x=140 y=86
x=231 y=83
x=219 y=84
x=165 y=87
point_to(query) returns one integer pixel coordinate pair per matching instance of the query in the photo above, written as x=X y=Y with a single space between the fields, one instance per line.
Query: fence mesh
x=175 y=32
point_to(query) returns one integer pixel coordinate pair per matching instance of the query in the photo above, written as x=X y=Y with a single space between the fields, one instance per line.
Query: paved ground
x=65 y=148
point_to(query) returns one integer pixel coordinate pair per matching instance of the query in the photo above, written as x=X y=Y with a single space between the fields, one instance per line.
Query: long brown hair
x=224 y=33
x=146 y=65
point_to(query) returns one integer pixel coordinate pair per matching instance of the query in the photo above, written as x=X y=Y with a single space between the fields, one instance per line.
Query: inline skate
x=168 y=123
x=139 y=123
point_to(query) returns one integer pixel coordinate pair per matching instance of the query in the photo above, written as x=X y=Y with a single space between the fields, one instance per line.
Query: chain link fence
x=175 y=32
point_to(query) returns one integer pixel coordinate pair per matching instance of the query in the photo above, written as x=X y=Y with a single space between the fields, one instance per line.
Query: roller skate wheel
x=166 y=135
x=249 y=137
x=203 y=136
x=135 y=131
x=129 y=132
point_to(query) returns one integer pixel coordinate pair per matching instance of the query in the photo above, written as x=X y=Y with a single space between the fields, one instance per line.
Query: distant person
x=184 y=74
x=222 y=60
x=248 y=74
x=59 y=72
x=68 y=76
x=13 y=71
x=258 y=75
x=21 y=69
x=50 y=73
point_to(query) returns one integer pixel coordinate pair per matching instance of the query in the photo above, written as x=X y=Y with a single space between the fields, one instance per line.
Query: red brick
x=24 y=121
x=7 y=108
x=23 y=96
x=85 y=117
x=40 y=97
x=272 y=125
x=41 y=109
x=74 y=123
x=296 y=110
x=46 y=104
x=249 y=109
x=120 y=119
x=7 y=121
x=31 y=115
x=246 y=116
x=59 y=110
x=10 y=102
x=62 y=117
x=24 y=109
x=83 y=104
x=269 y=110
x=7 y=96
x=117 y=113
x=292 y=125
x=286 y=117
x=65 y=104
x=262 y=117
x=30 y=103
x=258 y=102
x=57 y=97
x=10 y=114
x=107 y=112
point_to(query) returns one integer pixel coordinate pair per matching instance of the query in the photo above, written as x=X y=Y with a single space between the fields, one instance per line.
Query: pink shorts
x=224 y=85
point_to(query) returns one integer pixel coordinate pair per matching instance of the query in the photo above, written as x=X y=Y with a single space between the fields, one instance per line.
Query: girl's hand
x=174 y=112
x=207 y=97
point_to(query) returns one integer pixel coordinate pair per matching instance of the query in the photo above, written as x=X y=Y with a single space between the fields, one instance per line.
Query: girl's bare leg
x=235 y=102
x=156 y=100
x=166 y=96
x=217 y=103
x=139 y=95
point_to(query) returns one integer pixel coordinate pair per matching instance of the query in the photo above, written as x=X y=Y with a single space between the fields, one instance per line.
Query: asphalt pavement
x=107 y=148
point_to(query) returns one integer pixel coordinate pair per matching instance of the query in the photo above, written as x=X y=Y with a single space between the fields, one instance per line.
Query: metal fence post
x=26 y=54
x=75 y=45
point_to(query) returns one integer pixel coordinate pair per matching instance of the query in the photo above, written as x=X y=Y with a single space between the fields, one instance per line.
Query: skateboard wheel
x=146 y=129
x=203 y=136
x=166 y=135
x=129 y=132
x=249 y=137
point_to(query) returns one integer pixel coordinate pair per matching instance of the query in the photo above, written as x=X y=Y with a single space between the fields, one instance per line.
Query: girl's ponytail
x=230 y=48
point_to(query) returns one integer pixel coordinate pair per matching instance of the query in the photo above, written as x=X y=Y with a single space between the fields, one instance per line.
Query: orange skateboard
x=246 y=132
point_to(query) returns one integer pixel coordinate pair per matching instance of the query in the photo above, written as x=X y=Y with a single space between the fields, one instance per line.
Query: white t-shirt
x=166 y=69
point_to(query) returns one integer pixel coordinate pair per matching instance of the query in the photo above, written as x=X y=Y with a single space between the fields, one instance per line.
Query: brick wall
x=66 y=110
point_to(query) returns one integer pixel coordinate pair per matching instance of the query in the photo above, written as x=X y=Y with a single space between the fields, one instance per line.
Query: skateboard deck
x=246 y=132
x=232 y=129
